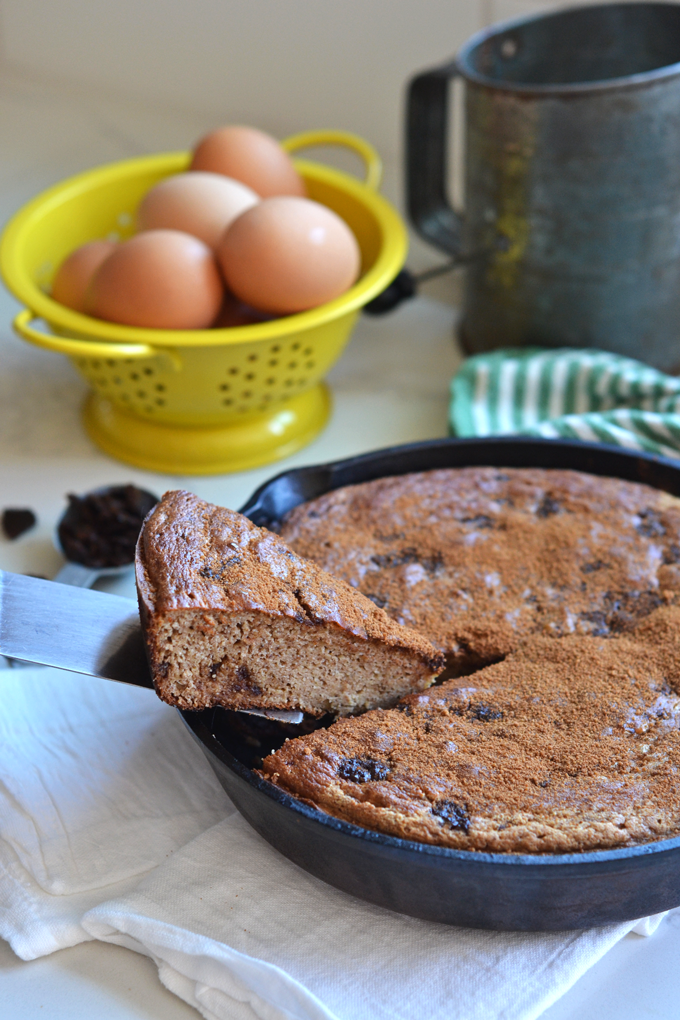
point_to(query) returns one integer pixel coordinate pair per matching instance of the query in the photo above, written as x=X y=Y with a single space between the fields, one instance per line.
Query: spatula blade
x=72 y=628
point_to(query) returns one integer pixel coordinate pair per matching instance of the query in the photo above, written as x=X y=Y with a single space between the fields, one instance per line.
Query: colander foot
x=181 y=449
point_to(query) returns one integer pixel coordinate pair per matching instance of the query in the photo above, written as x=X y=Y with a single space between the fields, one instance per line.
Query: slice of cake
x=569 y=744
x=233 y=617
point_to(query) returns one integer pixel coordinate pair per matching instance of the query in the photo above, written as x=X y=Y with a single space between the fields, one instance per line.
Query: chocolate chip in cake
x=430 y=564
x=590 y=568
x=671 y=554
x=16 y=521
x=650 y=525
x=480 y=521
x=485 y=713
x=547 y=507
x=455 y=815
x=363 y=770
x=244 y=681
x=598 y=623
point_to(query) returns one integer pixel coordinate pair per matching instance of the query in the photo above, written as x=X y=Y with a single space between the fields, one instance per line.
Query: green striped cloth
x=567 y=393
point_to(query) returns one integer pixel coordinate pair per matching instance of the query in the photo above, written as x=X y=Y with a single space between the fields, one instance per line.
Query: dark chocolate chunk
x=650 y=525
x=598 y=623
x=431 y=564
x=480 y=521
x=16 y=521
x=455 y=815
x=547 y=507
x=485 y=713
x=363 y=770
x=101 y=528
x=590 y=568
x=672 y=554
x=244 y=681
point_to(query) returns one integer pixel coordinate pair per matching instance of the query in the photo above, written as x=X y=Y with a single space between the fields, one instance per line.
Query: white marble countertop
x=389 y=387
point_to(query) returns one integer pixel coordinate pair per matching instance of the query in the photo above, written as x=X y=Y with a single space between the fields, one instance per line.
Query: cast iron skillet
x=479 y=890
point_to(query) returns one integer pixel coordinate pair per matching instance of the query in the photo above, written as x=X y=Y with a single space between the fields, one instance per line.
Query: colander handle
x=345 y=139
x=87 y=348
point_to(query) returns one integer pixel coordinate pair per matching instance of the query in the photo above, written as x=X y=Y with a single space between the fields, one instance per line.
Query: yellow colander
x=197 y=401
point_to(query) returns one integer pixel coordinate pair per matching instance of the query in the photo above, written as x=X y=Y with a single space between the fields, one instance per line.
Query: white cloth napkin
x=113 y=827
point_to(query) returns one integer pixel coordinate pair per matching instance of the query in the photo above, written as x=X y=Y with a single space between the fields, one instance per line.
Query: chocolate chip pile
x=101 y=528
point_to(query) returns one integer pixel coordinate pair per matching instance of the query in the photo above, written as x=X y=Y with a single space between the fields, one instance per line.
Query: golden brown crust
x=478 y=559
x=570 y=744
x=210 y=581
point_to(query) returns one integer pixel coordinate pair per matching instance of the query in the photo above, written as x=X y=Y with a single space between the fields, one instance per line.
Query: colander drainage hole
x=117 y=380
x=228 y=402
x=225 y=386
x=141 y=394
x=233 y=370
x=270 y=382
x=292 y=364
x=249 y=376
x=160 y=401
x=295 y=347
x=246 y=395
x=161 y=387
x=288 y=382
x=309 y=364
x=252 y=357
x=275 y=349
x=273 y=362
x=148 y=371
x=307 y=351
x=134 y=376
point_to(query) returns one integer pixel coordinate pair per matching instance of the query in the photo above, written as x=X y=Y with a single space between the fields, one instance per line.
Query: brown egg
x=161 y=279
x=201 y=204
x=251 y=156
x=74 y=274
x=288 y=254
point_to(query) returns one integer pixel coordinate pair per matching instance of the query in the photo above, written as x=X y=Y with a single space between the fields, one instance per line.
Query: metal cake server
x=79 y=629
x=72 y=628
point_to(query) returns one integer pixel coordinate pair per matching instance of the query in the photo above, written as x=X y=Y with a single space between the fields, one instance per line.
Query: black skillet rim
x=335 y=470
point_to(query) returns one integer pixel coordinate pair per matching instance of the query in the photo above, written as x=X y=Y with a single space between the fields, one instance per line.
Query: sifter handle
x=426 y=160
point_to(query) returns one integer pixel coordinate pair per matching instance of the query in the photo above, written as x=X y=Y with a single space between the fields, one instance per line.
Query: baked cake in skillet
x=567 y=745
x=232 y=617
x=477 y=559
